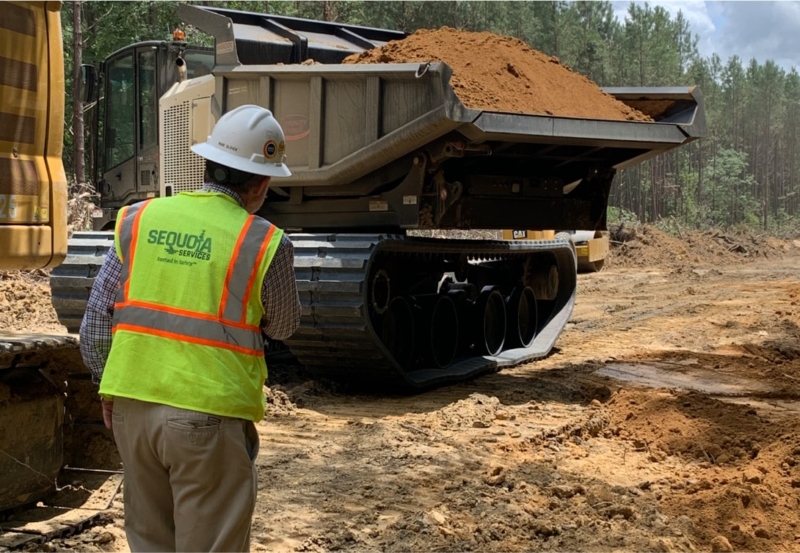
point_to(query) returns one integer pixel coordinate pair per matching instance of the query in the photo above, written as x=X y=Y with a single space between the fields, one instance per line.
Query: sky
x=750 y=29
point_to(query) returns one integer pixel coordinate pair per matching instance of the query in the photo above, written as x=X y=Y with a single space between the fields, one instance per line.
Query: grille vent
x=183 y=169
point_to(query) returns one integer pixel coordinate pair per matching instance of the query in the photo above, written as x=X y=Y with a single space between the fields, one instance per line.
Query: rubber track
x=72 y=281
x=335 y=338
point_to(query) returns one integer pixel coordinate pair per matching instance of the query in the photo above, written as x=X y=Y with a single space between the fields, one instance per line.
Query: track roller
x=398 y=332
x=522 y=318
x=491 y=316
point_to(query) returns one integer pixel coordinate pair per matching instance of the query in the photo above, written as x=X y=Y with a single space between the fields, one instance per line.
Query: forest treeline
x=745 y=173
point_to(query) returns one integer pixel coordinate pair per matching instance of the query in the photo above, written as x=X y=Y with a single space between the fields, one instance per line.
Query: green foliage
x=747 y=172
x=621 y=215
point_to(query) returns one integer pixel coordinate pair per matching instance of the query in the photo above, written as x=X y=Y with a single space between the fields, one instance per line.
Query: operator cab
x=123 y=121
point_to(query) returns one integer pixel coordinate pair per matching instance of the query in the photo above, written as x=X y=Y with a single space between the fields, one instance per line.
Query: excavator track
x=48 y=418
x=31 y=416
x=343 y=333
x=82 y=502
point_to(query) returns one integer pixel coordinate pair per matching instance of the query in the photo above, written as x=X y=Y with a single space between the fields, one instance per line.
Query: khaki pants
x=190 y=478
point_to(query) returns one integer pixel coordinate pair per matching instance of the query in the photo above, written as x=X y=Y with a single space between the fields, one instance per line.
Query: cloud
x=696 y=12
x=748 y=29
x=761 y=30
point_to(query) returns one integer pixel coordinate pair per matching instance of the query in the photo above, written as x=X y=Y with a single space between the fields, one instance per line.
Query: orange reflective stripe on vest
x=156 y=320
x=247 y=256
x=128 y=230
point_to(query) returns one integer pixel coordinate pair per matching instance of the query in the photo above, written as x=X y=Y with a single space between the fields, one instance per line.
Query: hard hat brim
x=206 y=151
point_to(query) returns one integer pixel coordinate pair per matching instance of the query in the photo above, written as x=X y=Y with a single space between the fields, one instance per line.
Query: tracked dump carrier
x=378 y=150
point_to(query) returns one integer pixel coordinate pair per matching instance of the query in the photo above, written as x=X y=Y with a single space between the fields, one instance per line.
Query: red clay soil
x=497 y=73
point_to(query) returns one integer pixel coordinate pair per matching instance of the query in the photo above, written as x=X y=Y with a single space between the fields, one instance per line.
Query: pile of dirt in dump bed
x=497 y=73
x=646 y=246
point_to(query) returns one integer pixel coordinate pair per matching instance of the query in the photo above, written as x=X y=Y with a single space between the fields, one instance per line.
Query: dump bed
x=268 y=38
x=344 y=121
x=356 y=134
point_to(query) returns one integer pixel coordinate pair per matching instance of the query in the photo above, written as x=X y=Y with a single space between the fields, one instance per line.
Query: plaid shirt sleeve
x=95 y=332
x=279 y=294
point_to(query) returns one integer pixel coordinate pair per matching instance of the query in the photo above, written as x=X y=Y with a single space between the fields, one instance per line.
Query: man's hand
x=108 y=409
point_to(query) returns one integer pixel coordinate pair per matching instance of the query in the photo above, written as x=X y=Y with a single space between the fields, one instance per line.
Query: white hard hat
x=249 y=139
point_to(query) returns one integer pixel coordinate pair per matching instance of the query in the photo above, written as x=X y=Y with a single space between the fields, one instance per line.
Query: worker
x=173 y=335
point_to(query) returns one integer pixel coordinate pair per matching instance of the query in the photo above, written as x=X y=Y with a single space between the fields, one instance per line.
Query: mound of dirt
x=25 y=303
x=476 y=411
x=747 y=492
x=500 y=73
x=647 y=246
x=278 y=403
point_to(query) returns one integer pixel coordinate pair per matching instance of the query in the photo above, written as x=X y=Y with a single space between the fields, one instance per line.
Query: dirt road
x=666 y=421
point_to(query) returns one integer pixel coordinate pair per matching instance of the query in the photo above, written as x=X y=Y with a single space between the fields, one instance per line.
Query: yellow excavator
x=33 y=186
x=591 y=246
x=43 y=380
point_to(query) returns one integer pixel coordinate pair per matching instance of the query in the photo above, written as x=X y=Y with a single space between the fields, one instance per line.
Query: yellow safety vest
x=186 y=325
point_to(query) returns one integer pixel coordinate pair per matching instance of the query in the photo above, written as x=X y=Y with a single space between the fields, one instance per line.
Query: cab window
x=148 y=99
x=120 y=116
